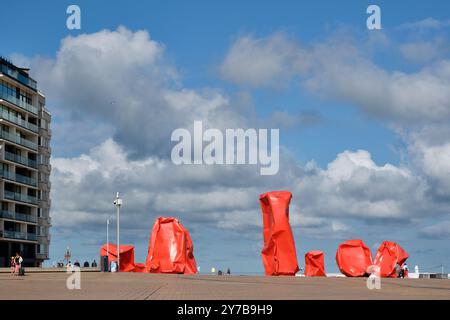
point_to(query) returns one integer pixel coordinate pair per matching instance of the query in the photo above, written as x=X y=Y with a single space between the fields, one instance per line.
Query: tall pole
x=107 y=237
x=118 y=203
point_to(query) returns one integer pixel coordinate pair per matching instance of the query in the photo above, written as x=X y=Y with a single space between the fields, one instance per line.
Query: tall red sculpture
x=171 y=249
x=126 y=256
x=314 y=264
x=389 y=254
x=353 y=258
x=278 y=254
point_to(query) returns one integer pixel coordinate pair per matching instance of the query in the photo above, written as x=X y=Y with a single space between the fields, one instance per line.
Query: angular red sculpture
x=171 y=249
x=389 y=254
x=278 y=254
x=353 y=258
x=126 y=256
x=314 y=264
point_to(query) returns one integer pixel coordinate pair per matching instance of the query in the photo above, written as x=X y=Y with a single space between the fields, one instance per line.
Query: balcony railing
x=20 y=103
x=18 y=139
x=18 y=177
x=16 y=196
x=7 y=214
x=19 y=121
x=19 y=77
x=17 y=216
x=25 y=217
x=18 y=235
x=19 y=159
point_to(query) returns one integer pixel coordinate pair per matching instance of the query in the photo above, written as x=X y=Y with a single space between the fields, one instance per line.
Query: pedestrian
x=405 y=270
x=398 y=271
x=18 y=263
x=13 y=265
x=228 y=271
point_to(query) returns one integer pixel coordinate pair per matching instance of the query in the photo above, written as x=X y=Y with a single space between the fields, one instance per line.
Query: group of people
x=85 y=265
x=16 y=264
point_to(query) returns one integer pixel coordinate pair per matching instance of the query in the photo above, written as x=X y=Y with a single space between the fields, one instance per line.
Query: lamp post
x=107 y=237
x=118 y=203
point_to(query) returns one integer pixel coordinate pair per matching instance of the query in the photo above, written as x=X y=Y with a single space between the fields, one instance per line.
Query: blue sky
x=195 y=39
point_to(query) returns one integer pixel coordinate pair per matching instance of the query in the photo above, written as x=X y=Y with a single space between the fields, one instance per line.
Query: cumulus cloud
x=425 y=24
x=425 y=51
x=413 y=103
x=325 y=202
x=338 y=68
x=437 y=231
x=262 y=62
x=120 y=81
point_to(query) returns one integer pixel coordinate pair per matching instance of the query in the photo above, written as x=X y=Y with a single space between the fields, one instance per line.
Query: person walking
x=18 y=263
x=405 y=270
x=13 y=265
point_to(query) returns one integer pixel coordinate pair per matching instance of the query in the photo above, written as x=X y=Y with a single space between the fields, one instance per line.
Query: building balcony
x=24 y=124
x=17 y=216
x=25 y=217
x=18 y=178
x=19 y=77
x=18 y=139
x=17 y=102
x=16 y=196
x=18 y=235
x=19 y=159
x=7 y=215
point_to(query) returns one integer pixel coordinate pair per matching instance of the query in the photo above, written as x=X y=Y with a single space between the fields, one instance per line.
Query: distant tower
x=67 y=256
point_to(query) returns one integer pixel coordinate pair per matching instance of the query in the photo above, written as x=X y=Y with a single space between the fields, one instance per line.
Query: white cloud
x=337 y=68
x=426 y=24
x=440 y=230
x=119 y=83
x=261 y=62
x=352 y=188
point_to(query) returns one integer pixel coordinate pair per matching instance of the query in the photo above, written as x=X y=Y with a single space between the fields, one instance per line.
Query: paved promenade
x=96 y=285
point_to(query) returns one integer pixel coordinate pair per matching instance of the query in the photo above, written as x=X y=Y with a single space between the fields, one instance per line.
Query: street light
x=107 y=237
x=118 y=203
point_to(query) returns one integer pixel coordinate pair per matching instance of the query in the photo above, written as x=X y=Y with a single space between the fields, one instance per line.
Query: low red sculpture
x=171 y=249
x=353 y=258
x=314 y=264
x=126 y=256
x=278 y=254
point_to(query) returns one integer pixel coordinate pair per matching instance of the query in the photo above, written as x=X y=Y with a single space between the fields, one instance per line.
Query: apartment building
x=24 y=168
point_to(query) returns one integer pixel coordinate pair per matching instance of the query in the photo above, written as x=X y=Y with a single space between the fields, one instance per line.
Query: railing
x=17 y=216
x=16 y=196
x=12 y=118
x=22 y=104
x=19 y=77
x=18 y=177
x=19 y=159
x=18 y=139
x=7 y=214
x=18 y=235
x=25 y=217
